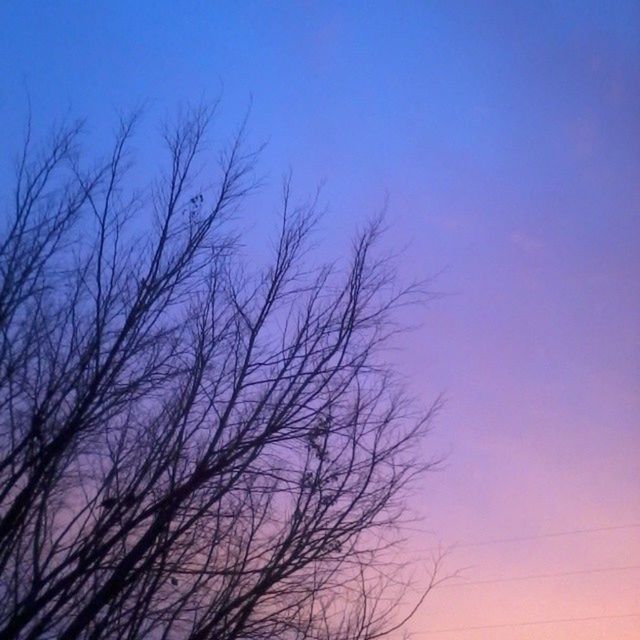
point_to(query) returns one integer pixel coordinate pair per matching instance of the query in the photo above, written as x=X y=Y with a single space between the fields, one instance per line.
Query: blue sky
x=507 y=135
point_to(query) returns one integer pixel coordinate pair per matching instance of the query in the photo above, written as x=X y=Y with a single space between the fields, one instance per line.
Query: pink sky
x=507 y=135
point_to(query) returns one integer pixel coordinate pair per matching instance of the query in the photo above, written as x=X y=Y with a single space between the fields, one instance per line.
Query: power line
x=537 y=576
x=531 y=623
x=553 y=534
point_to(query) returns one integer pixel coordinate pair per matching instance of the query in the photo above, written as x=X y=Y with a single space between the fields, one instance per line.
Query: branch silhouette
x=192 y=446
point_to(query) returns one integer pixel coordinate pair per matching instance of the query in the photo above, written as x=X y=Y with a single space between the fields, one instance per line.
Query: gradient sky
x=507 y=135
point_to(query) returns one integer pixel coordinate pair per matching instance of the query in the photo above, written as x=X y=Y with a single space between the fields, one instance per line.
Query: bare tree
x=191 y=446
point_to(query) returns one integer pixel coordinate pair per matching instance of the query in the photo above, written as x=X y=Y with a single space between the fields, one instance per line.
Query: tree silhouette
x=192 y=446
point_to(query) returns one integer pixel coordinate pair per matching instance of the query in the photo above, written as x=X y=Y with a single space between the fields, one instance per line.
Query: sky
x=506 y=136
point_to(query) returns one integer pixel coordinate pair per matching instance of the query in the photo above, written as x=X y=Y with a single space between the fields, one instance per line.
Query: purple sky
x=507 y=135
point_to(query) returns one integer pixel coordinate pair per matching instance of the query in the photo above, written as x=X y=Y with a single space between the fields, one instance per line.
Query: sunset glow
x=503 y=140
